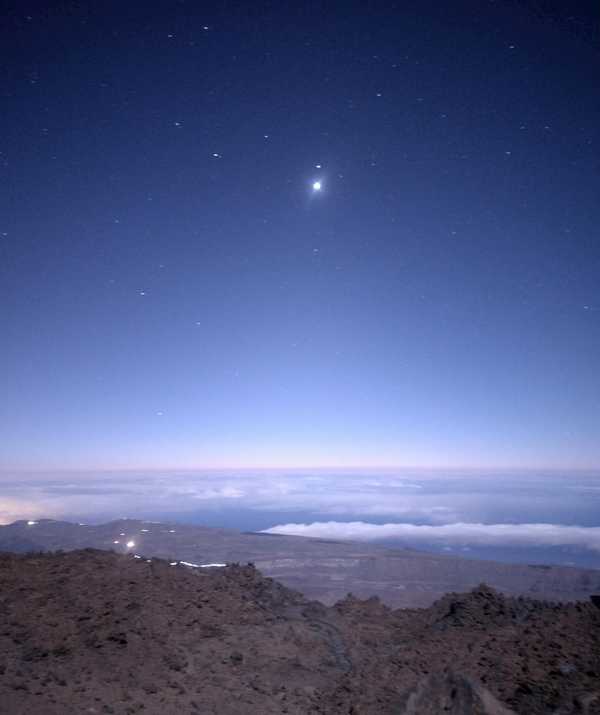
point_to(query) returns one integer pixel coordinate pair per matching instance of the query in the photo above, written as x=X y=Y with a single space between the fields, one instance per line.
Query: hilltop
x=91 y=631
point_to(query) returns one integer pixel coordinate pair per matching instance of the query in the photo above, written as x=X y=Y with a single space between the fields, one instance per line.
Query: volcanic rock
x=454 y=695
x=92 y=631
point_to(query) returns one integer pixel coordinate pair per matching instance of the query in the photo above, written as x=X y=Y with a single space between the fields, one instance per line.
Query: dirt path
x=330 y=633
x=333 y=637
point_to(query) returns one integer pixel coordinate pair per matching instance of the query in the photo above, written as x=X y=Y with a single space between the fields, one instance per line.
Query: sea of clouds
x=428 y=509
x=458 y=534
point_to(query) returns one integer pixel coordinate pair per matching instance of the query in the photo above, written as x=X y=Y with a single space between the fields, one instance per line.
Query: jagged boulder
x=453 y=694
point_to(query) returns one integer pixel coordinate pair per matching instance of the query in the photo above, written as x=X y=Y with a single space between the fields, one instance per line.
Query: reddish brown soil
x=97 y=632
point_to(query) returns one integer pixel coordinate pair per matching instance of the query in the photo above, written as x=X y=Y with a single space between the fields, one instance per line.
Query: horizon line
x=297 y=468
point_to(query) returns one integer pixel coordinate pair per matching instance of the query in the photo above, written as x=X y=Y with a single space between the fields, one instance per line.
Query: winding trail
x=330 y=633
x=334 y=639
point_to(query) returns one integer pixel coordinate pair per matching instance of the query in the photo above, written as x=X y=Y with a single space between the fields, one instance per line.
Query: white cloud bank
x=13 y=509
x=459 y=534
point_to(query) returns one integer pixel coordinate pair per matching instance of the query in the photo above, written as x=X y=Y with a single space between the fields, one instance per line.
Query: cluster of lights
x=129 y=544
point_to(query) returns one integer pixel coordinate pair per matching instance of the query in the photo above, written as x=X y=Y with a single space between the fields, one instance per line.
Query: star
x=317 y=186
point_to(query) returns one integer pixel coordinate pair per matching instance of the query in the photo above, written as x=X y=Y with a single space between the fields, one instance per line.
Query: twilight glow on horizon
x=298 y=236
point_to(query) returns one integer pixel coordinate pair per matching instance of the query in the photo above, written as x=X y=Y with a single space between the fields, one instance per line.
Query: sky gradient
x=176 y=294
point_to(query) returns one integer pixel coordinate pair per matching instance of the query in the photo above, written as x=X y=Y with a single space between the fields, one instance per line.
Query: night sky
x=258 y=234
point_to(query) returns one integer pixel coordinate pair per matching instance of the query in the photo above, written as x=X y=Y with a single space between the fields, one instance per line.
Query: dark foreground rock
x=98 y=632
x=452 y=694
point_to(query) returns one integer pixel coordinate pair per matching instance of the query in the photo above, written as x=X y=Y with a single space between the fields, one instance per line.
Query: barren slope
x=97 y=632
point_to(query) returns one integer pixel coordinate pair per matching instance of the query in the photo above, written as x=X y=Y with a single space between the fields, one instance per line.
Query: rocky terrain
x=92 y=631
x=321 y=569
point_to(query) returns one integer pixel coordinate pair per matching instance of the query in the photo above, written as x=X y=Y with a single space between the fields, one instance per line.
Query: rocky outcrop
x=97 y=632
x=452 y=694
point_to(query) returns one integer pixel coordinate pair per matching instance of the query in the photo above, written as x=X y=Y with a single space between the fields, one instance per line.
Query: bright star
x=317 y=186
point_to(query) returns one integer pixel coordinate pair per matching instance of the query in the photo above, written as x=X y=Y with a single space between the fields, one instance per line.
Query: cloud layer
x=457 y=534
x=139 y=494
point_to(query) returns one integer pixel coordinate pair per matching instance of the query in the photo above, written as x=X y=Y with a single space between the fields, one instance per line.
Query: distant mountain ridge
x=323 y=570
